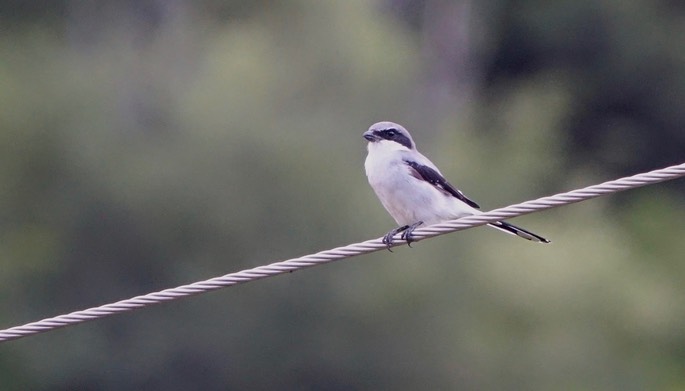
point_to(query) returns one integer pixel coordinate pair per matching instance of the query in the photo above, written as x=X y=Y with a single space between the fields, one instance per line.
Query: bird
x=413 y=190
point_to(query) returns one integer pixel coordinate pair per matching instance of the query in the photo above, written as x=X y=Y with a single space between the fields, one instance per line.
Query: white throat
x=385 y=147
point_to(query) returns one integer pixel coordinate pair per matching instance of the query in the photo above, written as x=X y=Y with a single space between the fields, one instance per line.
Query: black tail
x=518 y=231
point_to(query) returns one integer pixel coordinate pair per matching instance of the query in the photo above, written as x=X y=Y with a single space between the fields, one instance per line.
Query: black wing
x=433 y=177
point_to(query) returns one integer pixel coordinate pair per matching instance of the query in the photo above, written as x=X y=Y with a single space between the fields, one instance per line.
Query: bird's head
x=389 y=135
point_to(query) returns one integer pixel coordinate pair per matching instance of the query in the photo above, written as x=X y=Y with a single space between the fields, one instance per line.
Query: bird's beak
x=369 y=136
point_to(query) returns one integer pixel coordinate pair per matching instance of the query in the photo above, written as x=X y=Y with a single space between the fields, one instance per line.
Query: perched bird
x=412 y=189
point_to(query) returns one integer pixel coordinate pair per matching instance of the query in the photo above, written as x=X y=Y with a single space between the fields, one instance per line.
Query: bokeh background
x=148 y=144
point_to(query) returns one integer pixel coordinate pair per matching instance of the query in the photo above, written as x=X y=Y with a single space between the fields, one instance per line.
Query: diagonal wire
x=340 y=253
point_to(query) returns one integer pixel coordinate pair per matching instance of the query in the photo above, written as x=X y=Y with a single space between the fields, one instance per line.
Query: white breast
x=406 y=198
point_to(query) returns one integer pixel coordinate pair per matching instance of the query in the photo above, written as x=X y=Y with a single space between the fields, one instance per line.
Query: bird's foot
x=407 y=234
x=388 y=238
x=406 y=230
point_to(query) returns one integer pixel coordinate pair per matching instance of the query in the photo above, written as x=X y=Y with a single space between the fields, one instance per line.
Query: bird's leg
x=388 y=238
x=406 y=235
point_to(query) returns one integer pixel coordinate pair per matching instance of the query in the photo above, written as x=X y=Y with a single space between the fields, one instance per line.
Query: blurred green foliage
x=148 y=144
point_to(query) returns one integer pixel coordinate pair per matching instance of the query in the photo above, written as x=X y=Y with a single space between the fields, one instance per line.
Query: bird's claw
x=406 y=230
x=388 y=239
x=407 y=234
x=407 y=237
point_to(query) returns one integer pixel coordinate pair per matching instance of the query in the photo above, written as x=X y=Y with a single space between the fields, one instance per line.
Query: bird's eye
x=391 y=132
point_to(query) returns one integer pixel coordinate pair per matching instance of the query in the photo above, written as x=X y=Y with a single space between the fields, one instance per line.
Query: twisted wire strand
x=340 y=253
